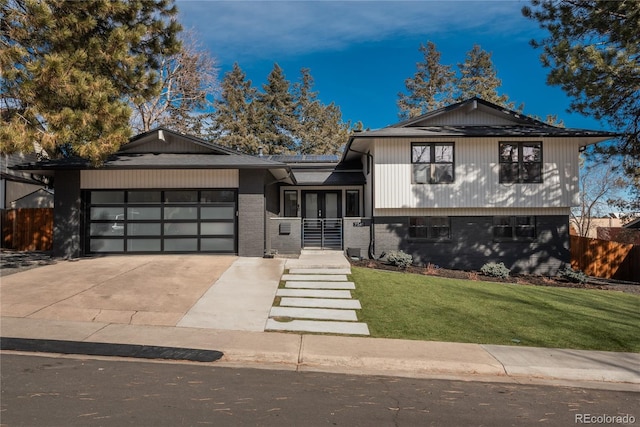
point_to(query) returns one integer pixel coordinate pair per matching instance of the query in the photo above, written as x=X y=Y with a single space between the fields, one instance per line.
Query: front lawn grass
x=413 y=306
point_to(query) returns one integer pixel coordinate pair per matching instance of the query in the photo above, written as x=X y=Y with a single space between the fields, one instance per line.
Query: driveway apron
x=139 y=289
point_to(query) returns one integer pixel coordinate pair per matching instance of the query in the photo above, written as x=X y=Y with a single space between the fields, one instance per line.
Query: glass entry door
x=321 y=204
x=322 y=219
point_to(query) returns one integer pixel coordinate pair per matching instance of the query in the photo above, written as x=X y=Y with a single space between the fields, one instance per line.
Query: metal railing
x=324 y=233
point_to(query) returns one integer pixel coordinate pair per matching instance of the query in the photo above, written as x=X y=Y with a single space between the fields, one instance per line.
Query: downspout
x=372 y=234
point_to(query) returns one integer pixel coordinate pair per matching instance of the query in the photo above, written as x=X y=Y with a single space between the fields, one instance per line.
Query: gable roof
x=473 y=117
x=163 y=148
x=469 y=106
x=40 y=198
x=169 y=141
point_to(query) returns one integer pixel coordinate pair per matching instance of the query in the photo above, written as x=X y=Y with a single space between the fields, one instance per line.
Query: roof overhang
x=162 y=161
x=328 y=177
x=360 y=143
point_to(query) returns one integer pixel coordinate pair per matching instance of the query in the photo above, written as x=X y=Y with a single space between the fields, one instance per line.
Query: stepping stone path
x=317 y=300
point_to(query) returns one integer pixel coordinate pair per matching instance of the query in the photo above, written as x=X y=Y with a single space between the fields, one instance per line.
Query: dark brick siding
x=357 y=236
x=472 y=245
x=67 y=215
x=251 y=213
x=272 y=203
x=285 y=243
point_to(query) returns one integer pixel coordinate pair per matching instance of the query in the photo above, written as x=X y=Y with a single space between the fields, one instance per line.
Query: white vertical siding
x=159 y=178
x=476 y=177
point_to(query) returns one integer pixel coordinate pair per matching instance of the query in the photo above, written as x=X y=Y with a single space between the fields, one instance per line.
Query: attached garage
x=154 y=220
x=163 y=192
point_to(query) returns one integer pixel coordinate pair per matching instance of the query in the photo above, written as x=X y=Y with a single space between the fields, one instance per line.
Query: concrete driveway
x=140 y=289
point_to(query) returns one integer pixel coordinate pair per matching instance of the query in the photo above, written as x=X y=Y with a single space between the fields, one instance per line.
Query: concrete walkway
x=317 y=296
x=240 y=299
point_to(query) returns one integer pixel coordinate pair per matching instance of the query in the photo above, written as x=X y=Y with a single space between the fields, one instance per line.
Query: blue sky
x=360 y=52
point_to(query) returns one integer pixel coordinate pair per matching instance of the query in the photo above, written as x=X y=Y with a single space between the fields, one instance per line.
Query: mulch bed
x=519 y=279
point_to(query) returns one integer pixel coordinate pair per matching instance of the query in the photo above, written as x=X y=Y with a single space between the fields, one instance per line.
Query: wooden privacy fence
x=606 y=259
x=27 y=229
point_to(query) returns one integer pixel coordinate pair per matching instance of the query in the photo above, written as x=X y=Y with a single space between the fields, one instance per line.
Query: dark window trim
x=432 y=163
x=513 y=226
x=346 y=195
x=429 y=225
x=520 y=179
x=284 y=207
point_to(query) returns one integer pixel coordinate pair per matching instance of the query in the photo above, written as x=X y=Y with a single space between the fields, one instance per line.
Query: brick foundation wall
x=472 y=245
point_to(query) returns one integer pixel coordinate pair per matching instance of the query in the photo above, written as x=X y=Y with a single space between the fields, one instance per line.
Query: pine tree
x=284 y=119
x=430 y=88
x=69 y=69
x=276 y=114
x=478 y=77
x=319 y=128
x=236 y=118
x=593 y=50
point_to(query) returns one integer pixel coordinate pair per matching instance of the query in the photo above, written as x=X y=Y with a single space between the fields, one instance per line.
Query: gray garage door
x=152 y=221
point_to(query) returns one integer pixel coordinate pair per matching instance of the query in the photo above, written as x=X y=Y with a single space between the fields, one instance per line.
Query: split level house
x=458 y=187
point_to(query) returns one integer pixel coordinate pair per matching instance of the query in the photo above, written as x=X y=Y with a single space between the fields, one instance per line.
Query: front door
x=321 y=204
x=322 y=219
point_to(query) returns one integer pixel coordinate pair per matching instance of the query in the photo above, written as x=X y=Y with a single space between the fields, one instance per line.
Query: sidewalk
x=355 y=355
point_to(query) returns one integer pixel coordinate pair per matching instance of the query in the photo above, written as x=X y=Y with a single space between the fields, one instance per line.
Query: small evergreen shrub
x=575 y=276
x=400 y=259
x=495 y=270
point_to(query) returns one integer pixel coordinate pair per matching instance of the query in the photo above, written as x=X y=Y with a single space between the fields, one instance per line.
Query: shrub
x=575 y=276
x=400 y=259
x=495 y=270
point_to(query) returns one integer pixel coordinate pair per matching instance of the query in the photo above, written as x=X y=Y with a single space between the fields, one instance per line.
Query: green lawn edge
x=430 y=308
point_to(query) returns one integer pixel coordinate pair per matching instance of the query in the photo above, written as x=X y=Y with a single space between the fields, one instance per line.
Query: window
x=353 y=203
x=290 y=203
x=518 y=228
x=432 y=162
x=430 y=228
x=520 y=162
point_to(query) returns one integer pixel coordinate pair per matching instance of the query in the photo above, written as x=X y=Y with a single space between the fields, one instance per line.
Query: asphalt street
x=80 y=391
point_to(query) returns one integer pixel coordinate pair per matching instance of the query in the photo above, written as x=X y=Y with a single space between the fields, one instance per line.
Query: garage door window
x=161 y=221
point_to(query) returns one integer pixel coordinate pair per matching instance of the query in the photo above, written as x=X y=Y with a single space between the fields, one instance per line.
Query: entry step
x=319 y=271
x=321 y=303
x=314 y=293
x=319 y=285
x=316 y=277
x=347 y=328
x=314 y=313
